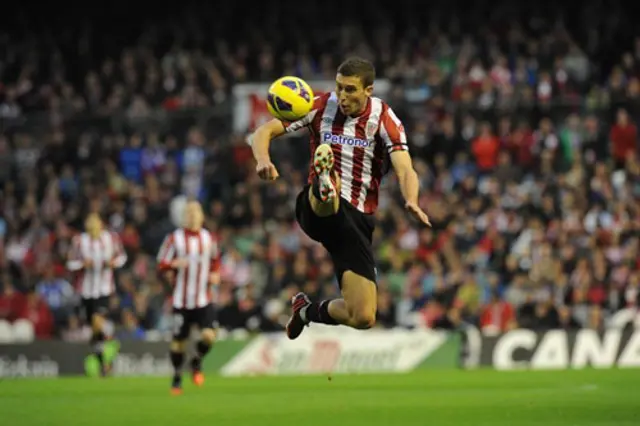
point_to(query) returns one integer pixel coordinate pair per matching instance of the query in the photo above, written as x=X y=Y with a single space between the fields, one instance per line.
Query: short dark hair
x=358 y=67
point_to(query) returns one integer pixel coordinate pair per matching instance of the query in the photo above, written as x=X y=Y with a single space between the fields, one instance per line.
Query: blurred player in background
x=94 y=255
x=353 y=134
x=190 y=256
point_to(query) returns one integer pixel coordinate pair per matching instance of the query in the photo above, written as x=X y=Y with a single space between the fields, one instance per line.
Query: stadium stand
x=522 y=123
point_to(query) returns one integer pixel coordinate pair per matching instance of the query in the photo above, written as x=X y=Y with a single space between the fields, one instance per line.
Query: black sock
x=202 y=348
x=97 y=344
x=177 y=358
x=319 y=312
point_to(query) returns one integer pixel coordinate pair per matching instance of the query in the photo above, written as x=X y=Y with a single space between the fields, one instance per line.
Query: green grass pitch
x=433 y=398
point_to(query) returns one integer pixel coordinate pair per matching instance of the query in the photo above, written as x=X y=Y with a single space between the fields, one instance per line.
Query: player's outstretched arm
x=259 y=142
x=409 y=184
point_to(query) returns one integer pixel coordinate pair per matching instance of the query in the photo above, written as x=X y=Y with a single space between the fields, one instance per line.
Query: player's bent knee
x=177 y=346
x=208 y=335
x=363 y=320
x=362 y=315
x=97 y=321
x=360 y=296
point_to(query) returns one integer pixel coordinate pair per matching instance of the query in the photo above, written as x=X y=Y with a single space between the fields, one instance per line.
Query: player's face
x=352 y=95
x=194 y=217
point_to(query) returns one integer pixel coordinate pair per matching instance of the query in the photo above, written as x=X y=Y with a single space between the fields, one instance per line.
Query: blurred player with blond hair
x=190 y=256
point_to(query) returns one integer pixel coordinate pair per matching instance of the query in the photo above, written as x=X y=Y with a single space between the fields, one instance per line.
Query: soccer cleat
x=323 y=161
x=176 y=386
x=196 y=371
x=296 y=324
x=198 y=378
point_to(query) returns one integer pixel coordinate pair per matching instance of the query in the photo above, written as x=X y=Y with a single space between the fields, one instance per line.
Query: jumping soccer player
x=190 y=254
x=352 y=136
x=93 y=256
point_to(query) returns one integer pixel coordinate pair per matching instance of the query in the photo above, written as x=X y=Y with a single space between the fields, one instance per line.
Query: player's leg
x=313 y=216
x=360 y=292
x=324 y=193
x=95 y=310
x=354 y=262
x=98 y=339
x=206 y=323
x=356 y=308
x=177 y=348
x=176 y=354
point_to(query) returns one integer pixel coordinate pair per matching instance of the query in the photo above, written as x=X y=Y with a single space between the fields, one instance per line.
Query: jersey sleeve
x=319 y=102
x=166 y=254
x=74 y=258
x=392 y=131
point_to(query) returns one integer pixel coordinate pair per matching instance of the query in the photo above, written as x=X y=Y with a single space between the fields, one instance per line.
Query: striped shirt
x=360 y=145
x=105 y=253
x=191 y=282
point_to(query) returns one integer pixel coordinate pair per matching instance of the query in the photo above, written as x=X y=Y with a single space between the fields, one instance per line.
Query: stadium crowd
x=523 y=131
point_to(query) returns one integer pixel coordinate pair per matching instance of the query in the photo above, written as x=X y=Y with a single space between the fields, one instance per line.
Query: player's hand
x=214 y=278
x=180 y=263
x=266 y=170
x=417 y=213
x=88 y=263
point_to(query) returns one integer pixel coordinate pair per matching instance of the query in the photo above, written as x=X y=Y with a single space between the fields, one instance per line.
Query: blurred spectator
x=497 y=316
x=10 y=300
x=75 y=331
x=58 y=294
x=624 y=139
x=35 y=310
x=386 y=314
x=273 y=318
x=485 y=148
x=129 y=328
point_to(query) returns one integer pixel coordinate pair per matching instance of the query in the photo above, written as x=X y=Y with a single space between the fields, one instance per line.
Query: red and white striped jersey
x=191 y=287
x=105 y=253
x=360 y=145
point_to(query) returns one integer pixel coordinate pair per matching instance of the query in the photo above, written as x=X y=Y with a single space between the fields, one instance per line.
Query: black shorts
x=90 y=307
x=184 y=319
x=347 y=236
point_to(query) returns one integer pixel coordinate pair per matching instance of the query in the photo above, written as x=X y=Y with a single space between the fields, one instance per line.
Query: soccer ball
x=289 y=98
